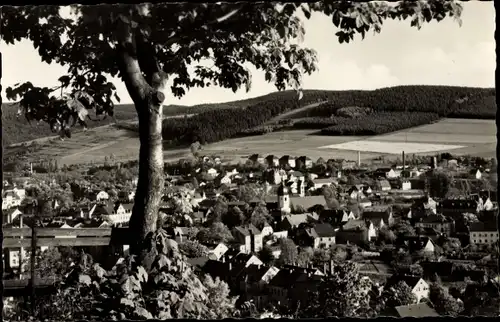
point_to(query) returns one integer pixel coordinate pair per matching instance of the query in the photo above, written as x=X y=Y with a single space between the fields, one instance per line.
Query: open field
x=476 y=137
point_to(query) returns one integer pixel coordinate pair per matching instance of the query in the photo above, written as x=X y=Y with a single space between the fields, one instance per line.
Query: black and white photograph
x=249 y=159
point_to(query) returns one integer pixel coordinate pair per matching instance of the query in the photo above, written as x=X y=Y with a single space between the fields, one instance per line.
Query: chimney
x=359 y=158
x=403 y=160
x=434 y=162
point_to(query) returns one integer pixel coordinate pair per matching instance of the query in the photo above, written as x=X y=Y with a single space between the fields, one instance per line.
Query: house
x=182 y=234
x=290 y=222
x=306 y=161
x=452 y=207
x=383 y=185
x=276 y=176
x=267 y=229
x=255 y=278
x=355 y=193
x=256 y=158
x=406 y=185
x=250 y=237
x=292 y=284
x=11 y=214
x=296 y=176
x=355 y=231
x=419 y=287
x=419 y=310
x=483 y=234
x=223 y=178
x=439 y=223
x=322 y=235
x=476 y=174
x=286 y=160
x=119 y=214
x=484 y=203
x=307 y=202
x=418 y=243
x=126 y=196
x=319 y=183
x=212 y=172
x=336 y=217
x=98 y=195
x=218 y=252
x=11 y=199
x=272 y=161
x=430 y=204
x=377 y=213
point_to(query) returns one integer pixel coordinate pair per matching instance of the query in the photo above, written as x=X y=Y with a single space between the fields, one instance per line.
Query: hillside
x=420 y=104
x=220 y=121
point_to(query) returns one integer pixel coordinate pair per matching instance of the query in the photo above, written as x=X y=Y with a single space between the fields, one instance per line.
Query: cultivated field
x=476 y=137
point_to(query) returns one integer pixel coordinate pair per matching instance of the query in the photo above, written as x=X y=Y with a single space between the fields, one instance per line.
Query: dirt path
x=291 y=113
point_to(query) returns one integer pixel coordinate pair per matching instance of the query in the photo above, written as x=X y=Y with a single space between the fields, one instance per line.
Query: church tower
x=283 y=198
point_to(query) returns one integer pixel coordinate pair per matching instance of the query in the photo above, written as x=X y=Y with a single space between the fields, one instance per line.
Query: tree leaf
x=143 y=313
x=142 y=274
x=84 y=279
x=127 y=302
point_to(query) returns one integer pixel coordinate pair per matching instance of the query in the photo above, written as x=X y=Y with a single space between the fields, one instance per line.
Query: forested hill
x=222 y=120
x=213 y=125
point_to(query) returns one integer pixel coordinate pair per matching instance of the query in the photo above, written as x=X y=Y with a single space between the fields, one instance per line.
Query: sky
x=441 y=53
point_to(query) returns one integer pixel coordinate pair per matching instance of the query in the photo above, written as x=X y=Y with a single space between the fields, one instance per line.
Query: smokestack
x=403 y=160
x=434 y=162
x=359 y=158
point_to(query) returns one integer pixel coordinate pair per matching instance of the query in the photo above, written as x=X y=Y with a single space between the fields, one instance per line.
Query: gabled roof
x=296 y=220
x=384 y=183
x=324 y=230
x=415 y=310
x=308 y=201
x=435 y=218
x=127 y=206
x=353 y=225
x=246 y=229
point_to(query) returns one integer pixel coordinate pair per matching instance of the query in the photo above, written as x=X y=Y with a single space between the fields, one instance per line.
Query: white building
x=482 y=234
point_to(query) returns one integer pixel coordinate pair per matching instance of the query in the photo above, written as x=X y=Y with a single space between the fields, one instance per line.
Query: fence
x=53 y=237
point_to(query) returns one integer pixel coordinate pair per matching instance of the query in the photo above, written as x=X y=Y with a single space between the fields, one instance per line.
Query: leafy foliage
x=397 y=295
x=341 y=294
x=193 y=249
x=170 y=289
x=443 y=302
x=289 y=252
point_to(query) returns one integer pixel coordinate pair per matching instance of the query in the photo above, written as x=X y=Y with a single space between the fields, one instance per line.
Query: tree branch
x=146 y=56
x=129 y=65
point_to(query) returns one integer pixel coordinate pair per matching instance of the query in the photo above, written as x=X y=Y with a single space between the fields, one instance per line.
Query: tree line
x=448 y=101
x=379 y=123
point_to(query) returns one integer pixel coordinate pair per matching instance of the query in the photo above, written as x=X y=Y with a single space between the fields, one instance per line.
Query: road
x=292 y=112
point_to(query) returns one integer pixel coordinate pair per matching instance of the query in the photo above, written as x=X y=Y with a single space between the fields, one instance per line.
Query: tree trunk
x=144 y=81
x=151 y=181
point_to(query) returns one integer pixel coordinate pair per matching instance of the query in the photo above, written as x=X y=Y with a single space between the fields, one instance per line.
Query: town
x=274 y=226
